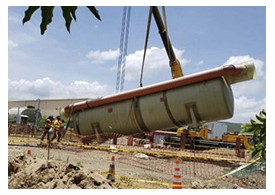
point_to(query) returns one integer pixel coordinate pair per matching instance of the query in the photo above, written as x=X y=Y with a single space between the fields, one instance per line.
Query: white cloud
x=247 y=108
x=156 y=60
x=102 y=56
x=249 y=88
x=48 y=89
x=259 y=65
x=12 y=44
x=14 y=18
x=200 y=62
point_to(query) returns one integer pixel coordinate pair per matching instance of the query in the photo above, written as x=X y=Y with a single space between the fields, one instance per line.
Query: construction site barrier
x=111 y=174
x=148 y=152
x=193 y=162
x=177 y=180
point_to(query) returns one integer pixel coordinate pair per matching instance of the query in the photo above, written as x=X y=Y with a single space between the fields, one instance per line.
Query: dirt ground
x=78 y=168
x=26 y=172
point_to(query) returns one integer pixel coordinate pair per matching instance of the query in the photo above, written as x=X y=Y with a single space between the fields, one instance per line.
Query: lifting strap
x=147 y=37
x=145 y=45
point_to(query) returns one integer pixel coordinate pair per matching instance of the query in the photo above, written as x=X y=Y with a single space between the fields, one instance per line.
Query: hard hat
x=50 y=116
x=58 y=117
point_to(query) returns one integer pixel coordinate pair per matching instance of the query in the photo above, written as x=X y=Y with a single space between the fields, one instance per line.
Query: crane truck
x=200 y=137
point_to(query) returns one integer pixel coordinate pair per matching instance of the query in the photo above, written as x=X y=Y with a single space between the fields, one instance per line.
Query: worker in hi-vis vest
x=57 y=129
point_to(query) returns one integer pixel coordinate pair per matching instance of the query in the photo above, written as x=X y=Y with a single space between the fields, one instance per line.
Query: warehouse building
x=49 y=106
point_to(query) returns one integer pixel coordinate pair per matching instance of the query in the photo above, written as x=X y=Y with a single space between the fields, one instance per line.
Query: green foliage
x=47 y=14
x=69 y=13
x=42 y=121
x=258 y=128
x=29 y=12
x=94 y=11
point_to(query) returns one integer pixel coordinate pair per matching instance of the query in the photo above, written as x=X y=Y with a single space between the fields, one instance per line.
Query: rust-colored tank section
x=204 y=96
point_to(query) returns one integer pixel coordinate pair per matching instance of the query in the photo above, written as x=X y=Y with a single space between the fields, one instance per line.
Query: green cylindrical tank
x=202 y=97
x=208 y=100
x=14 y=114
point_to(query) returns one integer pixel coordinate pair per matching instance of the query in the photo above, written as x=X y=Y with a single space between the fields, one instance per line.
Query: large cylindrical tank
x=208 y=100
x=14 y=114
x=202 y=97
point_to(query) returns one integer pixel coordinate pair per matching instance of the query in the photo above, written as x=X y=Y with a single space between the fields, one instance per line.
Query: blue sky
x=82 y=64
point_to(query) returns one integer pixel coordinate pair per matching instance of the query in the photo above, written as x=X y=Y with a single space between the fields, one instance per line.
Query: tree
x=42 y=121
x=47 y=14
x=258 y=128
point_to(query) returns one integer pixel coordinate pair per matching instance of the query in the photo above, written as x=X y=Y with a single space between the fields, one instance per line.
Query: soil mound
x=25 y=172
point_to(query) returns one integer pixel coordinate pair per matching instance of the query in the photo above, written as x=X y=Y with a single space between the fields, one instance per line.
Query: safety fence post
x=115 y=140
x=239 y=151
x=177 y=180
x=29 y=152
x=182 y=141
x=111 y=174
x=130 y=141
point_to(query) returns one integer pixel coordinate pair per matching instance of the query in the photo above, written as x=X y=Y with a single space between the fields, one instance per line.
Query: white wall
x=218 y=129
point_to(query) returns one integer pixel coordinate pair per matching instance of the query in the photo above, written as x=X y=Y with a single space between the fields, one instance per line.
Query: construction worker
x=57 y=129
x=47 y=127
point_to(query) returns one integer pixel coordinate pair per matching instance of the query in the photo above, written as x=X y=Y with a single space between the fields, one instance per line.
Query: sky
x=83 y=63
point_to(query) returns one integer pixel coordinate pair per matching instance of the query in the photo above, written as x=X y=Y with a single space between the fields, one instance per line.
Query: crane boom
x=173 y=61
